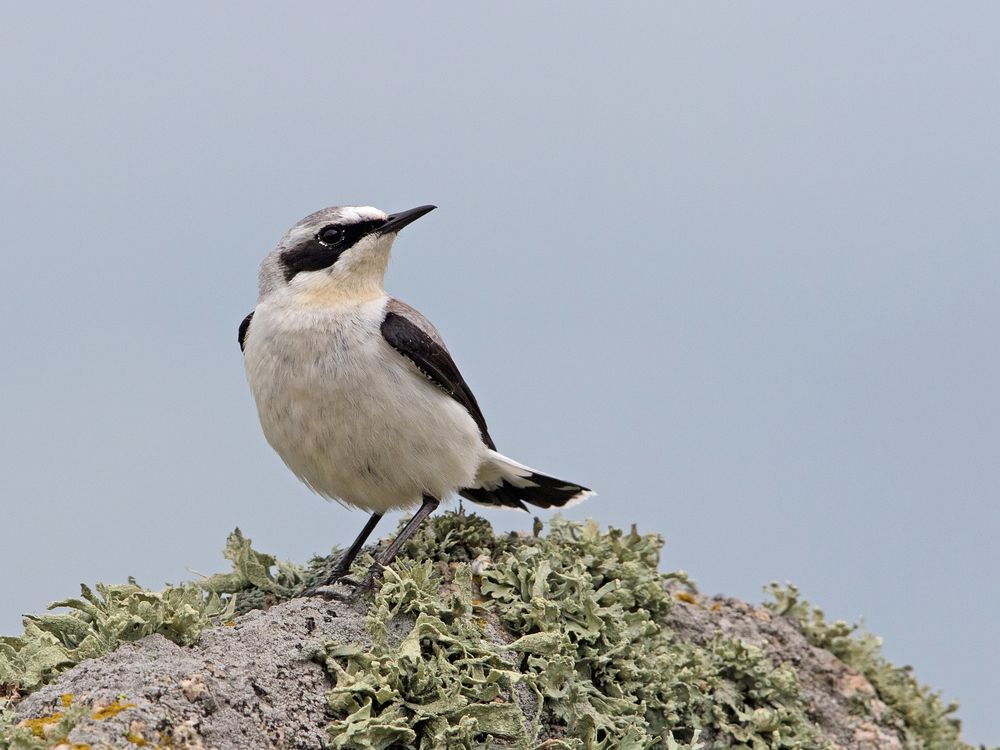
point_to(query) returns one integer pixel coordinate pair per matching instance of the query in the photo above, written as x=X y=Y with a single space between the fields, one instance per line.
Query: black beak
x=395 y=222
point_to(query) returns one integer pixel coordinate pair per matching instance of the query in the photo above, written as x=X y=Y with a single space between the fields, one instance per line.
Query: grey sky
x=734 y=266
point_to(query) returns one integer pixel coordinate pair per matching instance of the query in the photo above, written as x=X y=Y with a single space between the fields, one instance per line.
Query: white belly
x=349 y=415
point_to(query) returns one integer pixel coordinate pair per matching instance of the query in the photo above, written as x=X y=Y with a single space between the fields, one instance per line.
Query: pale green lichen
x=259 y=580
x=587 y=611
x=922 y=717
x=456 y=537
x=443 y=685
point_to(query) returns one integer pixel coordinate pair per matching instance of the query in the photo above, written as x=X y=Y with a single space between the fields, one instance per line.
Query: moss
x=922 y=717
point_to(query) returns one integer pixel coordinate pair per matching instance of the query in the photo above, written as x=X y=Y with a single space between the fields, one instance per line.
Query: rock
x=252 y=685
x=561 y=638
x=256 y=685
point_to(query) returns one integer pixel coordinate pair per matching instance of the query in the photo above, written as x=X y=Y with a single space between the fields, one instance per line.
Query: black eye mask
x=322 y=251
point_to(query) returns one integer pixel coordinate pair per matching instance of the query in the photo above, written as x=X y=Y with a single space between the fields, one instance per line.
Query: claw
x=341 y=596
x=322 y=591
x=361 y=587
x=326 y=588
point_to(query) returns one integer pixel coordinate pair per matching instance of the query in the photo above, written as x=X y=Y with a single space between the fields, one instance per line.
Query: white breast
x=350 y=416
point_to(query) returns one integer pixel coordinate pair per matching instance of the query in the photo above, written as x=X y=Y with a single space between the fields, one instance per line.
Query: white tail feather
x=498 y=470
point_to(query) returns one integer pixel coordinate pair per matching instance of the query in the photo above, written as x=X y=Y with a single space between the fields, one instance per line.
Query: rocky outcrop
x=571 y=640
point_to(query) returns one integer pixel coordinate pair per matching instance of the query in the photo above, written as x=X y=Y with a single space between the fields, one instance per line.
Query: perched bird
x=356 y=390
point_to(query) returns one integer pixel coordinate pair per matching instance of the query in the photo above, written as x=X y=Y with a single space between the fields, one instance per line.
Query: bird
x=357 y=392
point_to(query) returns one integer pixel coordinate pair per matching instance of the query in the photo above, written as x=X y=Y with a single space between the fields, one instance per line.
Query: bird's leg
x=429 y=506
x=347 y=559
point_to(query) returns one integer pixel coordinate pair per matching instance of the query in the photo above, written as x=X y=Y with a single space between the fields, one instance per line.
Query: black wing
x=244 y=327
x=433 y=360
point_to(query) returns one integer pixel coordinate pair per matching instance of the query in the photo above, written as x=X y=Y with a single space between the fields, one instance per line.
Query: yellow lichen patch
x=112 y=709
x=137 y=733
x=38 y=726
x=66 y=699
x=136 y=739
x=686 y=597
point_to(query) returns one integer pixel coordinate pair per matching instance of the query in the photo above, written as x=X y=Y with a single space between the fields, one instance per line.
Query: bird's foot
x=325 y=592
x=332 y=590
x=362 y=586
x=323 y=588
x=375 y=571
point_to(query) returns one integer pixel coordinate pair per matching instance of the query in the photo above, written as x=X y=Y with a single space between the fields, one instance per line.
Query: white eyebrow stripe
x=362 y=213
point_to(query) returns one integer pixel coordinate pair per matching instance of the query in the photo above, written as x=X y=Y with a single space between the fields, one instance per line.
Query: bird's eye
x=331 y=235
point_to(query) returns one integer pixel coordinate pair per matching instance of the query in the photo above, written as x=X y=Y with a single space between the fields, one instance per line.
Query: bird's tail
x=503 y=481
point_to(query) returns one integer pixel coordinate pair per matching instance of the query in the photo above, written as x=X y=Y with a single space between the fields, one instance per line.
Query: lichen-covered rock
x=571 y=640
x=249 y=685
